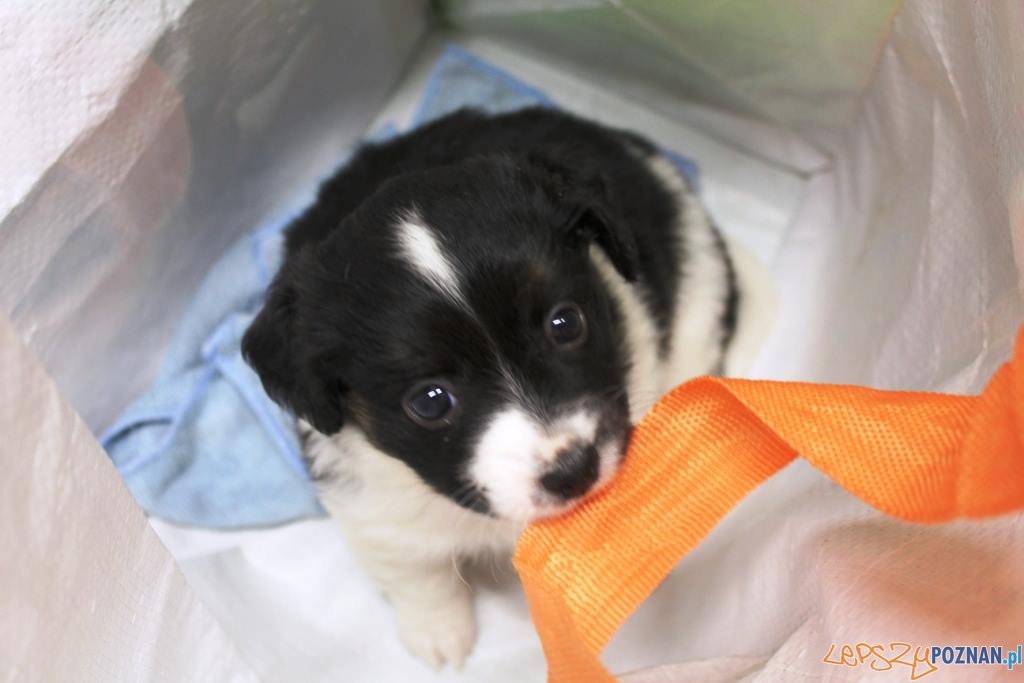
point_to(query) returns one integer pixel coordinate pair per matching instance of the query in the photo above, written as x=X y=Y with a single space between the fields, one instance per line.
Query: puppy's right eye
x=566 y=326
x=431 y=404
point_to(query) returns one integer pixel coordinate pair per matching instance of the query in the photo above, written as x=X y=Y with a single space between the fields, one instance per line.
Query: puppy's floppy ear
x=273 y=347
x=583 y=191
x=592 y=223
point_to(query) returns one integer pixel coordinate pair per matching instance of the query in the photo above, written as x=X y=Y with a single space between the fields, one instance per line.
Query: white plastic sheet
x=902 y=269
x=142 y=138
x=87 y=591
x=802 y=65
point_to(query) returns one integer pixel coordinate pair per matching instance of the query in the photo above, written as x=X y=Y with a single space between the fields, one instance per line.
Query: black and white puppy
x=468 y=321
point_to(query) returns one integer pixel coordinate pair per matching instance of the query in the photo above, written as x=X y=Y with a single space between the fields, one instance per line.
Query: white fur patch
x=421 y=248
x=756 y=314
x=515 y=451
x=696 y=347
x=380 y=499
x=642 y=385
x=408 y=539
x=506 y=462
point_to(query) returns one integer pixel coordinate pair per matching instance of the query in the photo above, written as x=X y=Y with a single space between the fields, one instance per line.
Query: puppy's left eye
x=430 y=404
x=566 y=326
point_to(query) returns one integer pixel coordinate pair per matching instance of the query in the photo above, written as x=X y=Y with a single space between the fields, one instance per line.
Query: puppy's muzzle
x=574 y=472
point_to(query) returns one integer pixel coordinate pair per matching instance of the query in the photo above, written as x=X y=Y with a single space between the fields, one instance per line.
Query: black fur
x=731 y=309
x=603 y=162
x=516 y=200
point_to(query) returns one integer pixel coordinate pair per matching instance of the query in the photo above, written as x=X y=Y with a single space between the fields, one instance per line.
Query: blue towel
x=206 y=446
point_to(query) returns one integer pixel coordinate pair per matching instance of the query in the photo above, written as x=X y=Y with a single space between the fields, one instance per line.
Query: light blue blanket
x=206 y=446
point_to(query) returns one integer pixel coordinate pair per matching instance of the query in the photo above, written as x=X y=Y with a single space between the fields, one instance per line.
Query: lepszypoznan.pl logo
x=920 y=661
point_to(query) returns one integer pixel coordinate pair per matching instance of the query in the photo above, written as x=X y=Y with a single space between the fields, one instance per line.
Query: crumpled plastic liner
x=803 y=65
x=141 y=139
x=799 y=565
x=89 y=593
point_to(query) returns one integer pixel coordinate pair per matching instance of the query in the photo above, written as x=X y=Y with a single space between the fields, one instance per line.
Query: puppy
x=468 y=321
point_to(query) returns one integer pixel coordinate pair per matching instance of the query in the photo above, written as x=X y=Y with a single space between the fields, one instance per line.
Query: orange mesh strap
x=918 y=456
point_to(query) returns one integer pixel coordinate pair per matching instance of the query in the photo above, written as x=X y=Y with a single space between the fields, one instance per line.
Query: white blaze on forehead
x=421 y=248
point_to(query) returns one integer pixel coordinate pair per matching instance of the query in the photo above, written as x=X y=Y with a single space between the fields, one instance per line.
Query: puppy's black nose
x=575 y=471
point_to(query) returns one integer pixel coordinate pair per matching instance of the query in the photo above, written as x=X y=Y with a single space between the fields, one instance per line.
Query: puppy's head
x=458 y=318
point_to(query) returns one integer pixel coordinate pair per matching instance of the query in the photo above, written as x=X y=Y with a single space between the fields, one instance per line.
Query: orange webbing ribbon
x=919 y=456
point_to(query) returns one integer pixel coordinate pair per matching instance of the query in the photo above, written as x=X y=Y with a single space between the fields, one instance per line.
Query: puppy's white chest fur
x=409 y=540
x=380 y=501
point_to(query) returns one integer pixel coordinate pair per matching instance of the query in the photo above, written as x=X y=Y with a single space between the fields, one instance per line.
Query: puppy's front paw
x=438 y=631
